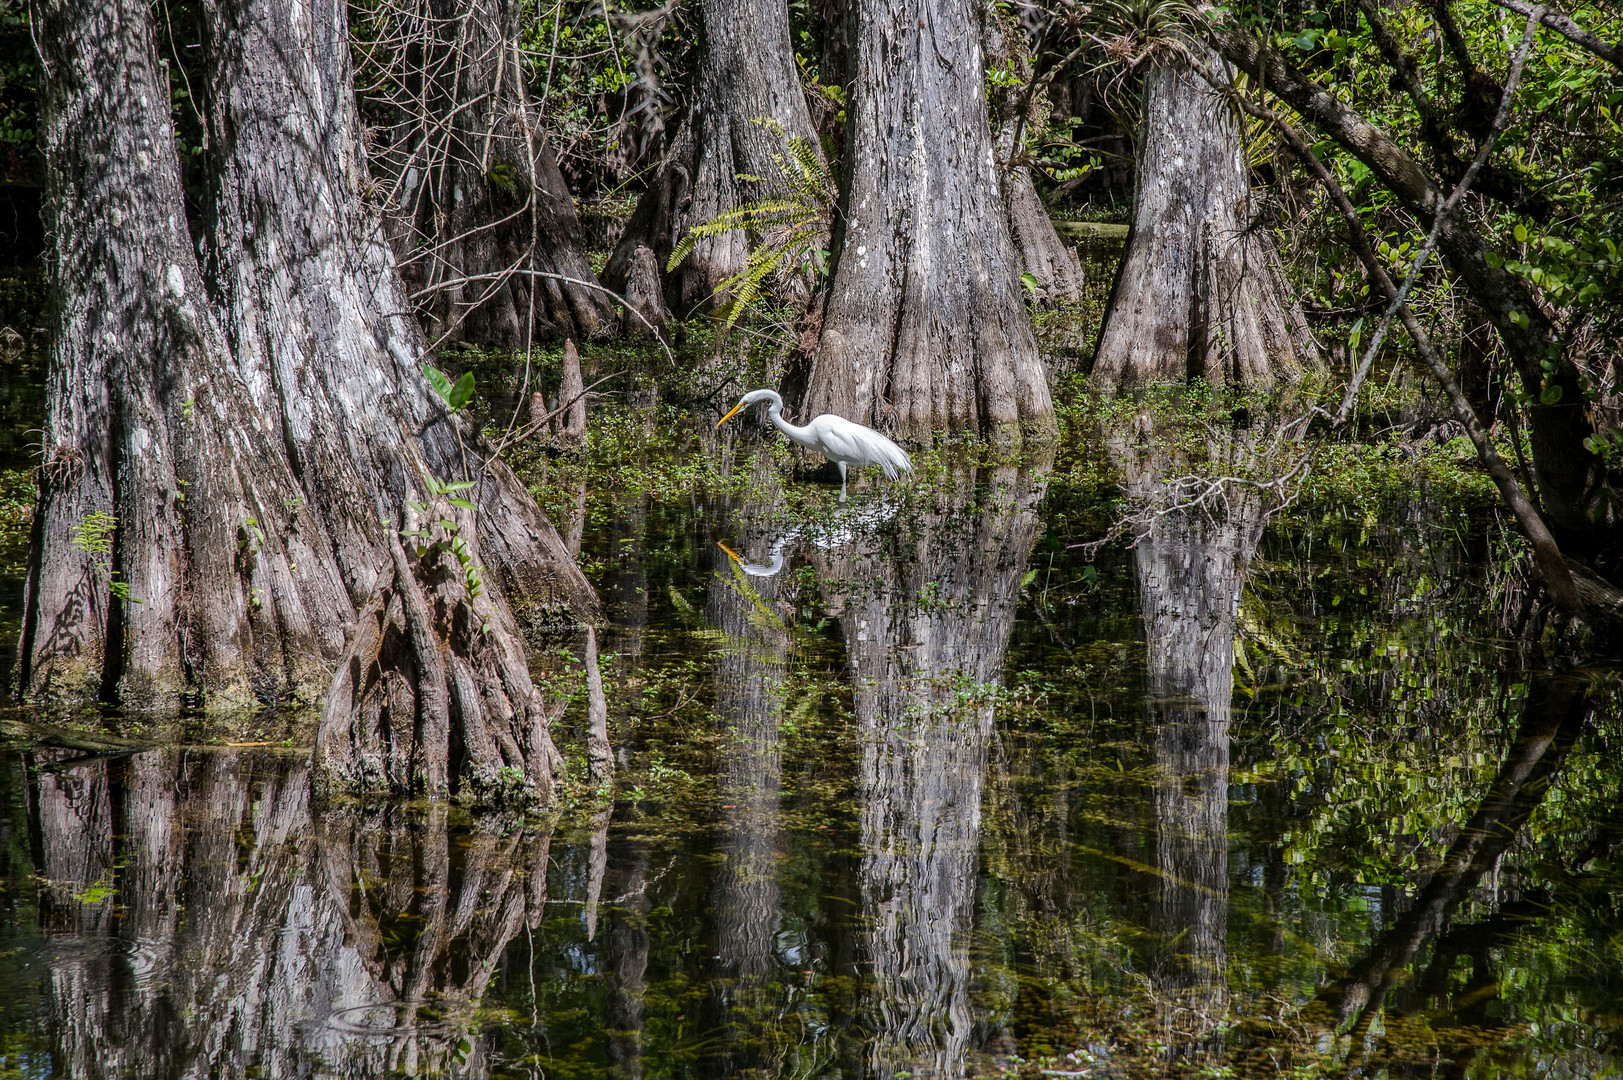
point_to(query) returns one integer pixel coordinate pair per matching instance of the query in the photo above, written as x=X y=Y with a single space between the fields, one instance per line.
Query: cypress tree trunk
x=1017 y=109
x=479 y=193
x=746 y=71
x=254 y=460
x=1198 y=293
x=925 y=327
x=368 y=438
x=169 y=558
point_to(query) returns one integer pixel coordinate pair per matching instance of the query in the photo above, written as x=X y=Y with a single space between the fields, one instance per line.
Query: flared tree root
x=433 y=694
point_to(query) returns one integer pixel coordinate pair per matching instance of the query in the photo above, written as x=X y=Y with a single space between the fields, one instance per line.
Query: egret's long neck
x=798 y=434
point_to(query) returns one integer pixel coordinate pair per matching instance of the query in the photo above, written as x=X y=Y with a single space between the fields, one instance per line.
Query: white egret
x=840 y=440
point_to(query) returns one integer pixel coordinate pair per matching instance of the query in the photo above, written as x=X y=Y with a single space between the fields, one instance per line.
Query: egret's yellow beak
x=736 y=557
x=722 y=421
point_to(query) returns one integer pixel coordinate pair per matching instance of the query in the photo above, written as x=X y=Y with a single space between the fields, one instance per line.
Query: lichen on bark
x=232 y=440
x=925 y=328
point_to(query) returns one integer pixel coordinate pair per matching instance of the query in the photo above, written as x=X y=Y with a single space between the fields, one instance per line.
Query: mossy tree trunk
x=254 y=430
x=925 y=327
x=1199 y=293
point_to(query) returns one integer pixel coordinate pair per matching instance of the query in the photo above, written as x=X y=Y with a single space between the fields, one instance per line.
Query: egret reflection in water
x=847 y=525
x=875 y=857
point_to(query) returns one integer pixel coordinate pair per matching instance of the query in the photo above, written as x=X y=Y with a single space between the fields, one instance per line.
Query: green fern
x=790 y=229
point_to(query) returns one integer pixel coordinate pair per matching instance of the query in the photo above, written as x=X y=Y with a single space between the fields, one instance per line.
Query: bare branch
x=1612 y=54
x=1548 y=560
x=1501 y=120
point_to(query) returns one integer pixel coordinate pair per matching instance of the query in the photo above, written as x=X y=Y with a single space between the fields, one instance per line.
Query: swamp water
x=909 y=787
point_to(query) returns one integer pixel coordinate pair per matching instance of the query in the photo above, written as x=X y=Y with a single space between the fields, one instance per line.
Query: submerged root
x=433 y=695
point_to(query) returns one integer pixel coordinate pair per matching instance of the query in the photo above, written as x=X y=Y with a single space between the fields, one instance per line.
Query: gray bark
x=474 y=191
x=1017 y=110
x=924 y=327
x=1199 y=293
x=642 y=286
x=258 y=425
x=599 y=755
x=1042 y=254
x=341 y=367
x=215 y=582
x=746 y=69
x=571 y=398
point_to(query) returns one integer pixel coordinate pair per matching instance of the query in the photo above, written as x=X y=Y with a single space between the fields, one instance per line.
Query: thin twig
x=573 y=281
x=538 y=423
x=1500 y=121
x=1612 y=54
x=1548 y=560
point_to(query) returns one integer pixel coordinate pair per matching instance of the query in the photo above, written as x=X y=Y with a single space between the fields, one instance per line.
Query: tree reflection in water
x=253 y=934
x=926 y=610
x=749 y=676
x=826 y=898
x=1194 y=546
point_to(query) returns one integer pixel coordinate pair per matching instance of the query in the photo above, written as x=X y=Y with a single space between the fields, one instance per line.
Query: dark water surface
x=909 y=788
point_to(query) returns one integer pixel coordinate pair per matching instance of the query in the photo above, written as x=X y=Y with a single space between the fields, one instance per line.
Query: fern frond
x=785 y=228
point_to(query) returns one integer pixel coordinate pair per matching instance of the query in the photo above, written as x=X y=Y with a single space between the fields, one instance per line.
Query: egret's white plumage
x=842 y=441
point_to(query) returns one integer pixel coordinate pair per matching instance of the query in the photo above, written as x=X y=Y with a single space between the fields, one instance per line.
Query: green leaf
x=1031 y=575
x=461 y=393
x=464 y=503
x=438 y=380
x=1550 y=395
x=1521 y=233
x=1029 y=280
x=457 y=485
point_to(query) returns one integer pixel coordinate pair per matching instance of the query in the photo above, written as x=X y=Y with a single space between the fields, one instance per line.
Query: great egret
x=840 y=440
